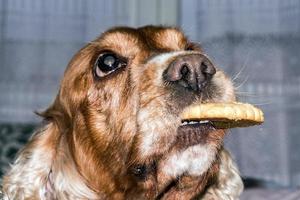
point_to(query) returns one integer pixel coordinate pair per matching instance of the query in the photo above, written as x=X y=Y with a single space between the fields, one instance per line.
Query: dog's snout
x=190 y=71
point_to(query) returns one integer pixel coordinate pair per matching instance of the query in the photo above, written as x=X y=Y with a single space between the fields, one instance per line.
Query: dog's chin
x=194 y=150
x=191 y=133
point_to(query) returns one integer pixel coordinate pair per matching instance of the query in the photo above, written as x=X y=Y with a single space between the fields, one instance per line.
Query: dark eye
x=108 y=63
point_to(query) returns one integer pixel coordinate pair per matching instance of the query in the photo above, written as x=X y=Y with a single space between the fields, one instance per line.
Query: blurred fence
x=257 y=42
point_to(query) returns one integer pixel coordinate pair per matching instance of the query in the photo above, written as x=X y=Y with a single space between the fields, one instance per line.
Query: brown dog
x=114 y=130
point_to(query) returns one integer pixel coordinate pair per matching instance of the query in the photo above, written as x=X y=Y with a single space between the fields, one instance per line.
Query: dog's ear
x=32 y=166
x=57 y=114
x=46 y=166
x=229 y=184
x=74 y=87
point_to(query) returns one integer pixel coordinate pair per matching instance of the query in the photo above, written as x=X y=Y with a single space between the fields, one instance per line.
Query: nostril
x=208 y=69
x=184 y=71
x=186 y=76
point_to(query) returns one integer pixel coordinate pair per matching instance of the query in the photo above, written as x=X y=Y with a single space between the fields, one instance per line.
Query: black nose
x=190 y=71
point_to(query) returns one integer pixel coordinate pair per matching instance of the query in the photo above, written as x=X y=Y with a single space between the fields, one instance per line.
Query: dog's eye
x=108 y=63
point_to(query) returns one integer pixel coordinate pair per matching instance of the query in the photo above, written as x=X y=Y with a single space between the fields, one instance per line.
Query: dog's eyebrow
x=125 y=44
x=168 y=39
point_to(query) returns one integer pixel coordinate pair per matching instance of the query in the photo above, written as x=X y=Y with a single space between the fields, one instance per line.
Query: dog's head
x=120 y=101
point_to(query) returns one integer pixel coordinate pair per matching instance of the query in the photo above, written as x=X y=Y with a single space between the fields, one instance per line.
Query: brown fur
x=95 y=132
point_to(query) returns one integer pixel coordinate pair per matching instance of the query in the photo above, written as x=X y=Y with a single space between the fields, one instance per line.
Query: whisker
x=263 y=104
x=244 y=66
x=242 y=83
x=251 y=94
x=248 y=95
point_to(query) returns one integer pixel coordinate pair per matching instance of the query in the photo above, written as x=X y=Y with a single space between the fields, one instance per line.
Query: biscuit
x=225 y=115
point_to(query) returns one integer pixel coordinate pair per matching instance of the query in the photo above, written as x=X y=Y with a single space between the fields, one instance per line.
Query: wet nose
x=190 y=71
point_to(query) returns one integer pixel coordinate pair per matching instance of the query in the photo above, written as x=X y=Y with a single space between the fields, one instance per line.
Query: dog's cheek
x=157 y=131
x=111 y=113
x=157 y=127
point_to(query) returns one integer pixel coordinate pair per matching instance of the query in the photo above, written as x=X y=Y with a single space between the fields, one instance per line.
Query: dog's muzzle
x=192 y=71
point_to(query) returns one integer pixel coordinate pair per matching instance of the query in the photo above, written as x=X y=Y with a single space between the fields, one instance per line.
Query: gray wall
x=260 y=41
x=257 y=42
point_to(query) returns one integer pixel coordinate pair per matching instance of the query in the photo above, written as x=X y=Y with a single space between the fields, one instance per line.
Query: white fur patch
x=195 y=160
x=161 y=59
x=155 y=128
x=225 y=84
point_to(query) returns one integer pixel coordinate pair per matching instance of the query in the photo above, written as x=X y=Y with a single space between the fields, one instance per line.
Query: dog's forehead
x=166 y=38
x=122 y=40
x=130 y=41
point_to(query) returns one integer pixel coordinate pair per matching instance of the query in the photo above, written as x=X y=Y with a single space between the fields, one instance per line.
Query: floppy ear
x=43 y=153
x=46 y=165
x=74 y=87
x=229 y=184
x=32 y=166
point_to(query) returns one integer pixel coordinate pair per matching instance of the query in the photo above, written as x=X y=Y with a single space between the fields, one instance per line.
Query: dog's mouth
x=192 y=132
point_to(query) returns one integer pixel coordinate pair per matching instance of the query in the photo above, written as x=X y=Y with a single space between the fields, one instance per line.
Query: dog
x=114 y=130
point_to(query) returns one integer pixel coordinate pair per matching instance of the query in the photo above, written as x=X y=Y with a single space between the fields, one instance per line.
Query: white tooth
x=184 y=123
x=204 y=121
x=195 y=122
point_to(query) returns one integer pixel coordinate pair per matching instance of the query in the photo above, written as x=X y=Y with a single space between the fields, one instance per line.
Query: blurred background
x=257 y=42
